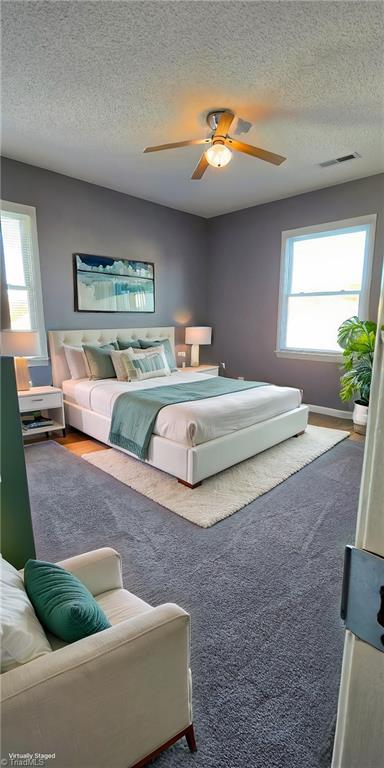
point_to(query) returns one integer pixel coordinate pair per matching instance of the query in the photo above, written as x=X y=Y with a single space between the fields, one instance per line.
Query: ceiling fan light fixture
x=218 y=155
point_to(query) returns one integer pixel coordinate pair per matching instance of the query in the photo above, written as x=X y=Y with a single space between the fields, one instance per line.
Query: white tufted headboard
x=56 y=339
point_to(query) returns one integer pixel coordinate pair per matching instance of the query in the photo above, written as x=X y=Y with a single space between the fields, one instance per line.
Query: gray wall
x=222 y=272
x=244 y=267
x=73 y=216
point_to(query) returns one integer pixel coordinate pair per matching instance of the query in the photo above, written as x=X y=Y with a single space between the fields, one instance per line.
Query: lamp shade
x=200 y=334
x=20 y=343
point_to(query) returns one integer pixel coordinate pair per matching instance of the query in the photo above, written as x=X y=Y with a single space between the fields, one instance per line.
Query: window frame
x=285 y=275
x=28 y=210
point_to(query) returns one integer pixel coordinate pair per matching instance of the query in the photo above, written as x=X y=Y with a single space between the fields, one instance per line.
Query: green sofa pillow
x=145 y=344
x=99 y=360
x=64 y=606
x=126 y=343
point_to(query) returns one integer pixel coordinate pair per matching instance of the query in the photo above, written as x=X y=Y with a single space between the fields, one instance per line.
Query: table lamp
x=197 y=335
x=20 y=344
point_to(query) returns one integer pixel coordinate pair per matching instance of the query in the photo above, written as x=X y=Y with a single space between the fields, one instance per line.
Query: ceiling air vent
x=337 y=160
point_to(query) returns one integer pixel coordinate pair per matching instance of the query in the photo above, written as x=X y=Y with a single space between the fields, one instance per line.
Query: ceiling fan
x=219 y=153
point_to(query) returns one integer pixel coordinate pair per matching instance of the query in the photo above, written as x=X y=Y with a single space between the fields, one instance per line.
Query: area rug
x=263 y=590
x=222 y=495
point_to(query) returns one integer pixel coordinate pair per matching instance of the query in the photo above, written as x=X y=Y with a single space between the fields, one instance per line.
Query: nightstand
x=212 y=370
x=49 y=402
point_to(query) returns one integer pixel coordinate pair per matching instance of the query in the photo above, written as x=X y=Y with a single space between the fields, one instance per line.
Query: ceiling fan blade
x=176 y=144
x=223 y=125
x=201 y=167
x=248 y=149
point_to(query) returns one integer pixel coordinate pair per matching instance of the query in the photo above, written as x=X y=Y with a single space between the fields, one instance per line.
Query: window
x=22 y=271
x=325 y=278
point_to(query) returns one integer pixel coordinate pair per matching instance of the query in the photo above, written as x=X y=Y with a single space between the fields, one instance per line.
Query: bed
x=190 y=440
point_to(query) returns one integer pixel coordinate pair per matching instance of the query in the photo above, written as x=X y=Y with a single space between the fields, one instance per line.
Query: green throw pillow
x=145 y=344
x=64 y=606
x=99 y=360
x=126 y=343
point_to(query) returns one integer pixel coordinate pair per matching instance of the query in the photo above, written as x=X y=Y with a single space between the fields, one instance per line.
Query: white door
x=359 y=740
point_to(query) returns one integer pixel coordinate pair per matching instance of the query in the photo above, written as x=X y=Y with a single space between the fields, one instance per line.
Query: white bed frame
x=189 y=465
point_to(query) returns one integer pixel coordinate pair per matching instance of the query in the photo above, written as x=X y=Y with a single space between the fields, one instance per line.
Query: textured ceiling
x=87 y=85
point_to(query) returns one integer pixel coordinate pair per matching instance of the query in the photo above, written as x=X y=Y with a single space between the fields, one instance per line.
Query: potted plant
x=357 y=339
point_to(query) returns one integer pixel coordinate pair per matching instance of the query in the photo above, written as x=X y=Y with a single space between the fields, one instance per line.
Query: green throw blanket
x=134 y=413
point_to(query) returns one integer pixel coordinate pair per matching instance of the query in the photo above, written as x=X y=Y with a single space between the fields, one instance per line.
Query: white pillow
x=118 y=364
x=144 y=364
x=22 y=636
x=77 y=362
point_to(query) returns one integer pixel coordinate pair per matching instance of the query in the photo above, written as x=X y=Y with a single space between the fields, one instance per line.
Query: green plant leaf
x=372 y=339
x=347 y=361
x=357 y=339
x=348 y=388
x=348 y=329
x=353 y=330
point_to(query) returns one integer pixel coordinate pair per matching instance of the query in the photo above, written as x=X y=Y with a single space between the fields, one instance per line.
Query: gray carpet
x=262 y=587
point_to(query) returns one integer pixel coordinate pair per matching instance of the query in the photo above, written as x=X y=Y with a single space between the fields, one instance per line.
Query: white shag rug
x=221 y=495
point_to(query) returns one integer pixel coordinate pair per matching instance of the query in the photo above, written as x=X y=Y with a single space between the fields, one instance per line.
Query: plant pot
x=360 y=417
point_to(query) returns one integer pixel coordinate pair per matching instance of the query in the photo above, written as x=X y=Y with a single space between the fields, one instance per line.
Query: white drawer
x=39 y=402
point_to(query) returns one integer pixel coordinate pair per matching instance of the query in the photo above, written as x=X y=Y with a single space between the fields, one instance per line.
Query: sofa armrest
x=109 y=699
x=99 y=570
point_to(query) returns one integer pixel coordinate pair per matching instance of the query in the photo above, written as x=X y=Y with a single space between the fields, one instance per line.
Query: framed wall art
x=105 y=284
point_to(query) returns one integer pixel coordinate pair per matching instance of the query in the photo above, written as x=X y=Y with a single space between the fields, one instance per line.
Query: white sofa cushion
x=120 y=605
x=22 y=636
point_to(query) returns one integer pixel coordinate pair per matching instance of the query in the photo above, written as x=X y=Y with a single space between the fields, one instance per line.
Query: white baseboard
x=330 y=411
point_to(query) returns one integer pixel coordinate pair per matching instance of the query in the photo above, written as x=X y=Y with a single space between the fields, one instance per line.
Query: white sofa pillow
x=76 y=361
x=22 y=636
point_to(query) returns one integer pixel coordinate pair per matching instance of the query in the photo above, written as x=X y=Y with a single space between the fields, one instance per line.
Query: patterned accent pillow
x=129 y=369
x=146 y=363
x=169 y=354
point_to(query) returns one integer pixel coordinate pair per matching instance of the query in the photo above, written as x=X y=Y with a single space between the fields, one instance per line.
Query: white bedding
x=193 y=422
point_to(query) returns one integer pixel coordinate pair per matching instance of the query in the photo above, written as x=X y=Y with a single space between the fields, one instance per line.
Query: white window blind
x=22 y=270
x=325 y=278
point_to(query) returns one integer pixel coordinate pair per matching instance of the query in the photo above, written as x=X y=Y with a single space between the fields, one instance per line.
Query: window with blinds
x=22 y=269
x=325 y=279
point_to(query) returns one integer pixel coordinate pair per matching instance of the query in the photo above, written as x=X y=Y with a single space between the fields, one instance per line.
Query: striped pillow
x=169 y=354
x=145 y=364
